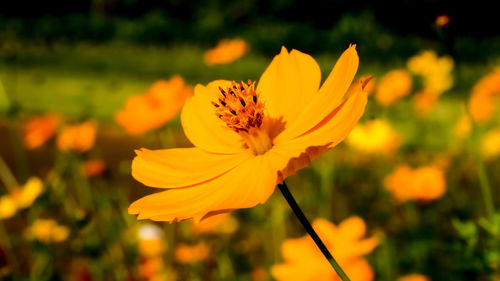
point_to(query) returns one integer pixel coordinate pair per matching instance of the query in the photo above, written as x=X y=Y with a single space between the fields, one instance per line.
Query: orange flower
x=151 y=243
x=39 y=130
x=304 y=261
x=223 y=223
x=414 y=277
x=424 y=184
x=154 y=108
x=226 y=51
x=375 y=136
x=80 y=137
x=424 y=102
x=393 y=86
x=191 y=254
x=442 y=20
x=93 y=167
x=249 y=138
x=482 y=102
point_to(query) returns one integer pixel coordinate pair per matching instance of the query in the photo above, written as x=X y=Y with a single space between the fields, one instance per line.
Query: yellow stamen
x=243 y=112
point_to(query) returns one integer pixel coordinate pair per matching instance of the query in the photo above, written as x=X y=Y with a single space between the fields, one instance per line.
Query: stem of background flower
x=310 y=230
x=485 y=188
x=482 y=177
x=6 y=175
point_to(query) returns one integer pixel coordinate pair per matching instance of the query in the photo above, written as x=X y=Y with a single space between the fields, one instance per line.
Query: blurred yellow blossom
x=490 y=144
x=423 y=183
x=223 y=223
x=435 y=71
x=463 y=126
x=191 y=254
x=8 y=207
x=226 y=51
x=484 y=96
x=79 y=137
x=20 y=197
x=374 y=136
x=392 y=86
x=39 y=130
x=47 y=231
x=304 y=261
x=153 y=109
x=414 y=277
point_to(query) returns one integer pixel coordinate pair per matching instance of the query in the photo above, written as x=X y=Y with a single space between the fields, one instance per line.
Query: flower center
x=241 y=109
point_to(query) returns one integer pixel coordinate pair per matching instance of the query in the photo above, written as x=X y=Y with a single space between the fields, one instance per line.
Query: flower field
x=127 y=160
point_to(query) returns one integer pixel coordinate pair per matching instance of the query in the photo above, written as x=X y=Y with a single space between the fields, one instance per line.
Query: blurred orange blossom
x=248 y=139
x=304 y=261
x=482 y=103
x=190 y=254
x=392 y=86
x=153 y=109
x=226 y=51
x=79 y=137
x=414 y=277
x=39 y=130
x=424 y=183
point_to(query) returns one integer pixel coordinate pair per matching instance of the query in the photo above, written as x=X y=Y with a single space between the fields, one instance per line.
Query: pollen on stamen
x=240 y=108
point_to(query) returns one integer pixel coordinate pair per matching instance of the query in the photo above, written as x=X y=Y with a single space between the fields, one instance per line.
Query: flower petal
x=288 y=83
x=201 y=125
x=180 y=167
x=248 y=184
x=326 y=134
x=328 y=98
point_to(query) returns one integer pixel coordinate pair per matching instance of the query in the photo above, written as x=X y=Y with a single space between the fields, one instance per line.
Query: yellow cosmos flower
x=226 y=51
x=79 y=137
x=20 y=197
x=375 y=136
x=393 y=86
x=424 y=183
x=39 y=130
x=304 y=261
x=414 y=277
x=490 y=144
x=484 y=97
x=47 y=231
x=153 y=109
x=249 y=137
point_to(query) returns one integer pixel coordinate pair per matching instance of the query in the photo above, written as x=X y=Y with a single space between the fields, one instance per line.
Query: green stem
x=310 y=230
x=485 y=188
